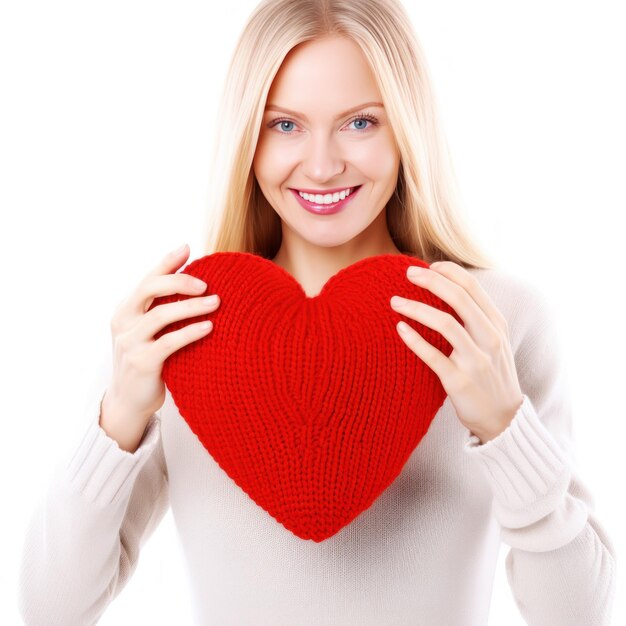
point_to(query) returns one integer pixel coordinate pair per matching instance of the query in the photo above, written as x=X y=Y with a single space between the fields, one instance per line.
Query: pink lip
x=325 y=209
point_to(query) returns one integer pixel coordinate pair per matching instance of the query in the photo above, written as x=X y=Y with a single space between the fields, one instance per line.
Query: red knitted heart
x=312 y=405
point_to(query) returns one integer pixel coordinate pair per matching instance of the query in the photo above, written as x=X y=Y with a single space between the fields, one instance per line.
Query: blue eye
x=281 y=122
x=366 y=117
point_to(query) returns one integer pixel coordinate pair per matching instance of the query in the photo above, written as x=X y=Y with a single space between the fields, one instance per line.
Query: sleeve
x=561 y=566
x=83 y=539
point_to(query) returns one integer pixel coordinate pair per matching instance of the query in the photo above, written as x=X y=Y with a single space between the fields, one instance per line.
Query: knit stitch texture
x=312 y=405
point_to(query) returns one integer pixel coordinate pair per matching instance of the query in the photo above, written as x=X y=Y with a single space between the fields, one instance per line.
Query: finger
x=441 y=321
x=165 y=285
x=169 y=342
x=163 y=315
x=460 y=275
x=460 y=297
x=141 y=298
x=435 y=359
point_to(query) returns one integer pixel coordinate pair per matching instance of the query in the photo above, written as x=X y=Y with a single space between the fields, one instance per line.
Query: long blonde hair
x=423 y=214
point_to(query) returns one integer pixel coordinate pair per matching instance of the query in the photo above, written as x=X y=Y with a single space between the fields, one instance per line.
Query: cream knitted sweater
x=423 y=554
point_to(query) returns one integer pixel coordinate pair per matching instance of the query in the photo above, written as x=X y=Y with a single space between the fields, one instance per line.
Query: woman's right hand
x=137 y=389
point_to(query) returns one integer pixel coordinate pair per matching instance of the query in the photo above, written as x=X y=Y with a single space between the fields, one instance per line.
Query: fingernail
x=180 y=250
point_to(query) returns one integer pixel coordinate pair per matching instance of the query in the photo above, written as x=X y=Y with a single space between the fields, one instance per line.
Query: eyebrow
x=275 y=107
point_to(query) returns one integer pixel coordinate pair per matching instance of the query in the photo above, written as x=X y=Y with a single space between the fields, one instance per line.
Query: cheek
x=377 y=158
x=272 y=163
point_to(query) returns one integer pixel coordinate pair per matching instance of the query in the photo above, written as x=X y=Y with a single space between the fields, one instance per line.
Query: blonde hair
x=423 y=214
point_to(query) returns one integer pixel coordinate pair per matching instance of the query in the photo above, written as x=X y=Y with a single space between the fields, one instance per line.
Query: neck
x=313 y=265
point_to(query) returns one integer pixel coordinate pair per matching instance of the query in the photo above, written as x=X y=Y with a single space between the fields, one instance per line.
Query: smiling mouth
x=325 y=208
x=326 y=192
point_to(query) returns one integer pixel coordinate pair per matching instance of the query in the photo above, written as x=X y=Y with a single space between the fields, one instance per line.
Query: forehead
x=330 y=74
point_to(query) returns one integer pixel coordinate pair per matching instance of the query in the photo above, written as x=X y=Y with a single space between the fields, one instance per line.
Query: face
x=317 y=135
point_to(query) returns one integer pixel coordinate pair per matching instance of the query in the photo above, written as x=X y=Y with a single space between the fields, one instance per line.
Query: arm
x=561 y=565
x=83 y=541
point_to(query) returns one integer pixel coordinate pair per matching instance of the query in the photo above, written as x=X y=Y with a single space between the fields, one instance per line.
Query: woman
x=323 y=97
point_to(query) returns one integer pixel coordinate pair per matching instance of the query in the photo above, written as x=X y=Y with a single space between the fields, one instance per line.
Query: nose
x=321 y=160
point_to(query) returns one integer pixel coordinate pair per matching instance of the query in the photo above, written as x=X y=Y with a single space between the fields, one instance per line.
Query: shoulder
x=509 y=290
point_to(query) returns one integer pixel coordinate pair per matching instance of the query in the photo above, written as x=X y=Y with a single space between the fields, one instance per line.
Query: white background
x=107 y=113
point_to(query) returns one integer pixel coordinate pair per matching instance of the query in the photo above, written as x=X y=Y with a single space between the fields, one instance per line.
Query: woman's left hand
x=479 y=376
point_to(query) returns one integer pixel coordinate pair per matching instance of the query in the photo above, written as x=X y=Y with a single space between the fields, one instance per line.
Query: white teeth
x=328 y=198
